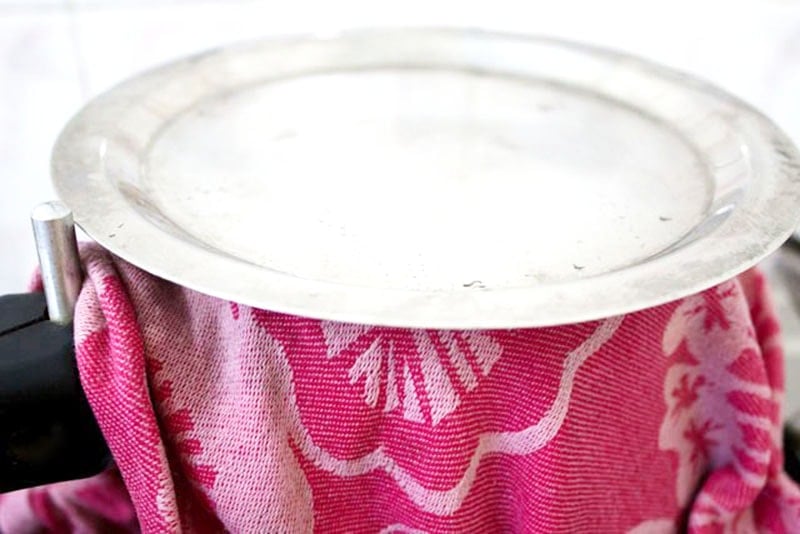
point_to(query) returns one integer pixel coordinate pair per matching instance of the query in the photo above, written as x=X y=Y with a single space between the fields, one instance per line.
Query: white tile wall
x=39 y=90
x=55 y=54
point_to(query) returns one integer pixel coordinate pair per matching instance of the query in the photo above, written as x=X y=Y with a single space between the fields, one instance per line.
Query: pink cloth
x=97 y=504
x=226 y=417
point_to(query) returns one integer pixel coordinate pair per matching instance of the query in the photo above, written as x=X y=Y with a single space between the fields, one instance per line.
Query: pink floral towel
x=223 y=417
x=95 y=505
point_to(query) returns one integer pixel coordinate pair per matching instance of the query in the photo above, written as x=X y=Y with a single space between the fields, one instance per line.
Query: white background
x=54 y=55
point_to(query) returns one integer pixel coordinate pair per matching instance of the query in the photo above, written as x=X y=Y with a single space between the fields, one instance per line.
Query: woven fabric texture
x=223 y=417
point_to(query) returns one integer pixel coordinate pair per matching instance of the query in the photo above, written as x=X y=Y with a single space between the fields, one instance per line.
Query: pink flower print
x=420 y=409
x=714 y=307
x=683 y=355
x=698 y=437
x=686 y=393
x=423 y=374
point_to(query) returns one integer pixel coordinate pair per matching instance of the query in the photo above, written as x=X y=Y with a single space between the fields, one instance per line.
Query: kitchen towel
x=223 y=417
x=99 y=504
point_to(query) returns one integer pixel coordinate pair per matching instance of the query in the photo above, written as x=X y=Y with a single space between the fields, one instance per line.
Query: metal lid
x=429 y=178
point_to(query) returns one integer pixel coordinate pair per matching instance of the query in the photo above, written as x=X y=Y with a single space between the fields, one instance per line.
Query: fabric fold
x=223 y=417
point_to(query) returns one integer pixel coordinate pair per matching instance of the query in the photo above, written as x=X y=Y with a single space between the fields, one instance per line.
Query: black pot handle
x=47 y=430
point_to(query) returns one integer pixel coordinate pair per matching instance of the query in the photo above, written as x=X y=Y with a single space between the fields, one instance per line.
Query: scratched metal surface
x=430 y=178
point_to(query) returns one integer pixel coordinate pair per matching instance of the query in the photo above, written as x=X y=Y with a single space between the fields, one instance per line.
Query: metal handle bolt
x=54 y=232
